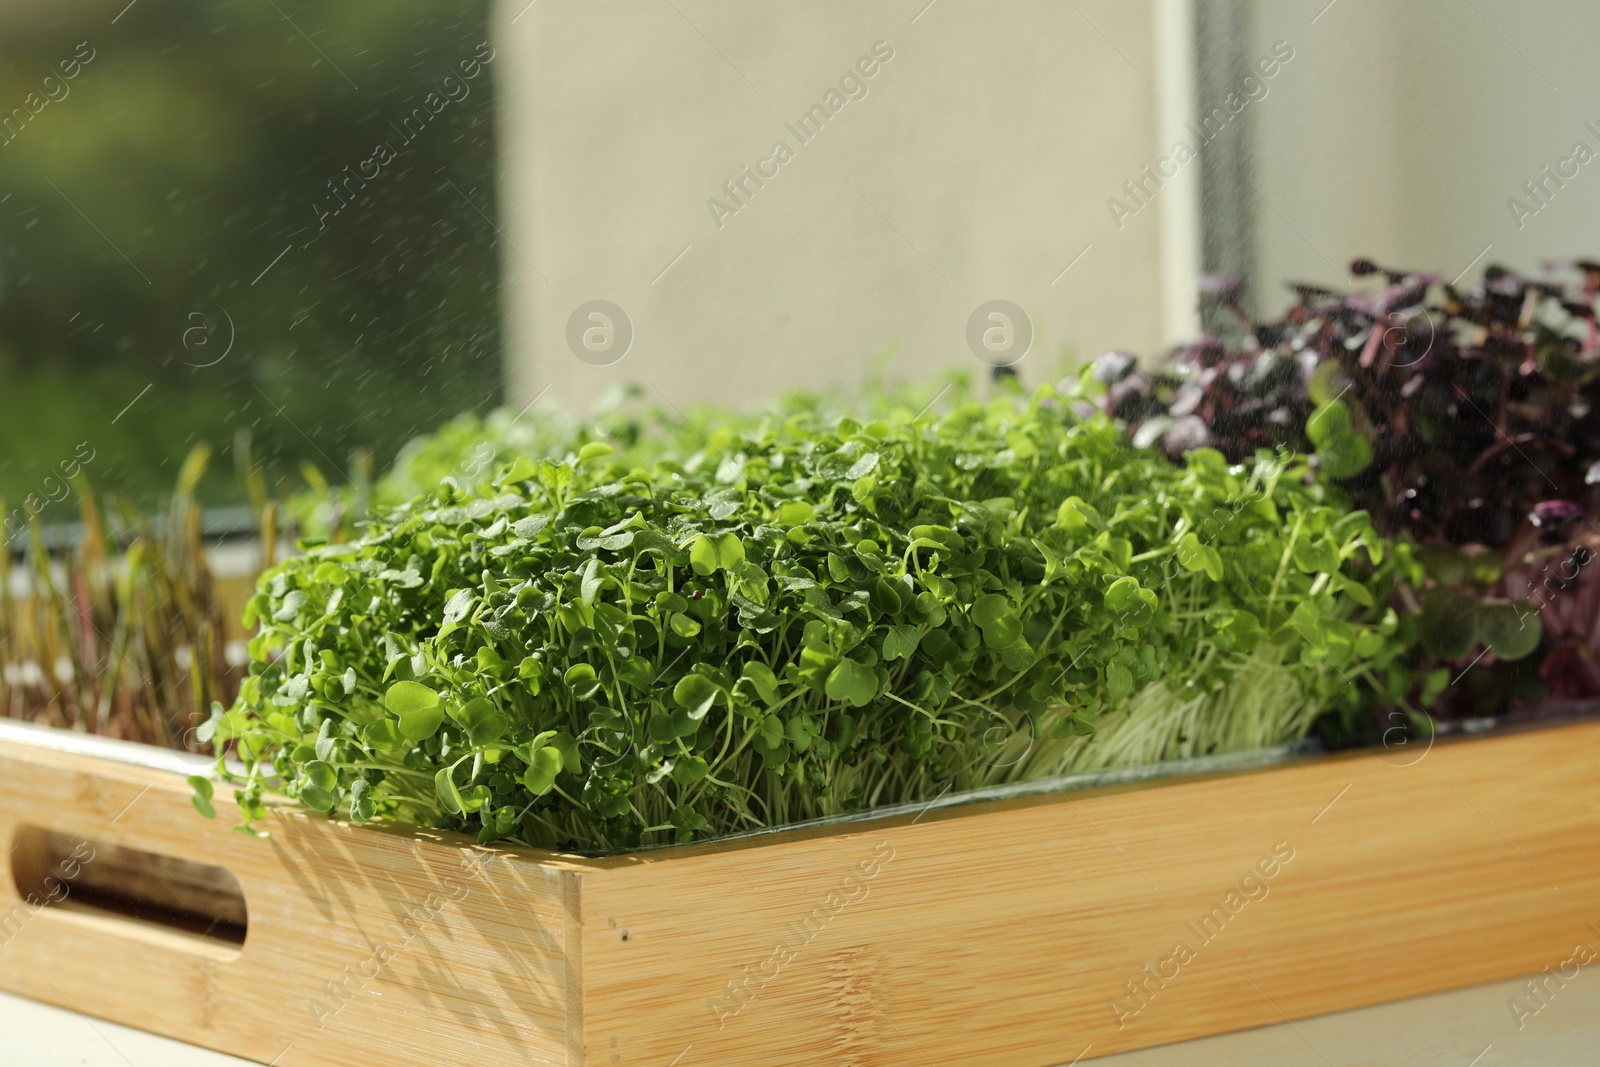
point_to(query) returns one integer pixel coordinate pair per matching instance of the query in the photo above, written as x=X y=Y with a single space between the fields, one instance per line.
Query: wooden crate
x=1021 y=933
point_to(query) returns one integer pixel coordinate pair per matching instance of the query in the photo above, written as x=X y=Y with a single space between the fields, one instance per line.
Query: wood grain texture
x=998 y=934
x=362 y=947
x=1002 y=936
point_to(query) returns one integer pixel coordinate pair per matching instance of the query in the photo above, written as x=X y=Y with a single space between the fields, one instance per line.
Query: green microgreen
x=805 y=619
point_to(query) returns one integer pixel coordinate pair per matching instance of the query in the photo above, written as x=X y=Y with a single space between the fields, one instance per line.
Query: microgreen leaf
x=320 y=788
x=761 y=677
x=203 y=792
x=482 y=721
x=1448 y=623
x=802 y=617
x=1195 y=556
x=418 y=708
x=707 y=555
x=1511 y=630
x=900 y=642
x=795 y=513
x=361 y=803
x=696 y=693
x=331 y=573
x=996 y=616
x=1130 y=600
x=385 y=733
x=853 y=683
x=543 y=766
x=445 y=788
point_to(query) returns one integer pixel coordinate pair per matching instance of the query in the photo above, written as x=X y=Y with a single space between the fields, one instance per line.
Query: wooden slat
x=1003 y=936
x=996 y=934
x=478 y=966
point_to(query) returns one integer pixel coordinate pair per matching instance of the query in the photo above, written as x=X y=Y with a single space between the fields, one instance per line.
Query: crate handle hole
x=129 y=885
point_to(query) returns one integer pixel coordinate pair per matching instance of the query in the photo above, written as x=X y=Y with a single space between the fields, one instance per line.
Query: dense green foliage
x=807 y=618
x=472 y=448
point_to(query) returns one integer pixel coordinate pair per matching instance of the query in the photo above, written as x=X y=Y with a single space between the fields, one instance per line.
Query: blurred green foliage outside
x=197 y=235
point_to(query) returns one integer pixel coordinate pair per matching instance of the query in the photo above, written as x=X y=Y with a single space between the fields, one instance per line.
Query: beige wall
x=1402 y=130
x=977 y=166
